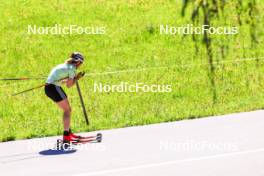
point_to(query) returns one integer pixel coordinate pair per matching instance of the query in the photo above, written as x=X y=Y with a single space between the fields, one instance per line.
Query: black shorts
x=55 y=93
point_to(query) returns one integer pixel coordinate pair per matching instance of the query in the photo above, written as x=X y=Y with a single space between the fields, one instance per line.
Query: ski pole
x=20 y=79
x=81 y=74
x=82 y=103
x=39 y=86
x=42 y=85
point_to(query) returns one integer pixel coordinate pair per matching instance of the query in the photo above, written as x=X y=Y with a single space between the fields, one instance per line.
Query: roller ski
x=97 y=137
x=69 y=141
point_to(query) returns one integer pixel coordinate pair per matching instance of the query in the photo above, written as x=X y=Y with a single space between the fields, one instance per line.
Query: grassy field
x=132 y=41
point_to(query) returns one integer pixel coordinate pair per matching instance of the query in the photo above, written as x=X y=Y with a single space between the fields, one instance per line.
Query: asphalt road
x=230 y=145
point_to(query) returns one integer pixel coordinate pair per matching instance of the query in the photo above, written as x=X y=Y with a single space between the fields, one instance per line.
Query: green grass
x=132 y=41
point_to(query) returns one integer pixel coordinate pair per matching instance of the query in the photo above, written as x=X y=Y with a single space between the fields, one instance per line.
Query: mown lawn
x=132 y=41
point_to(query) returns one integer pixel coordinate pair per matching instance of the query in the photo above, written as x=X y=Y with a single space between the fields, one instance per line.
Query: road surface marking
x=170 y=162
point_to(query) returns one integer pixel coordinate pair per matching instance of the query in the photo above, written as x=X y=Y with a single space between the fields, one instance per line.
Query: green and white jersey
x=61 y=71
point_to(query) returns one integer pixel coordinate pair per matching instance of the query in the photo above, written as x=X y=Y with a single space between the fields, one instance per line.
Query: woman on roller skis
x=64 y=74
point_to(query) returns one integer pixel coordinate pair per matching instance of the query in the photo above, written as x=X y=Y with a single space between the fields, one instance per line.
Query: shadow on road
x=27 y=156
x=57 y=152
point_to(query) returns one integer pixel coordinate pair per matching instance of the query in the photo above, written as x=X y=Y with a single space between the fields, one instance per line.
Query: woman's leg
x=65 y=106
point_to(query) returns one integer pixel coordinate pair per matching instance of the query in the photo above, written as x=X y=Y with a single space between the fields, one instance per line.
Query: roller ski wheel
x=99 y=137
x=63 y=145
x=58 y=144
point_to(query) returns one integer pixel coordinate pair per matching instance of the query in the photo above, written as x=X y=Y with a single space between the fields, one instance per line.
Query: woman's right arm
x=70 y=82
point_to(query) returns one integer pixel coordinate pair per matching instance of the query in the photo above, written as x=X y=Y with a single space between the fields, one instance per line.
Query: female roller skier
x=64 y=74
